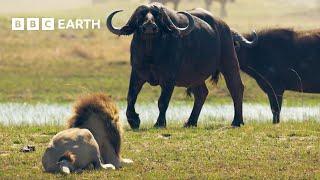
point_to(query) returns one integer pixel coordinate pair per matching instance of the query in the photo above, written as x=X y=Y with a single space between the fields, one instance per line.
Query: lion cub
x=94 y=137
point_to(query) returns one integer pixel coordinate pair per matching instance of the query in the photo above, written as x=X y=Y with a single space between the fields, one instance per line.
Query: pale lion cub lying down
x=94 y=137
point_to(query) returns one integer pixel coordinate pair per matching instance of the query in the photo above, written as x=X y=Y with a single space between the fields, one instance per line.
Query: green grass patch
x=257 y=150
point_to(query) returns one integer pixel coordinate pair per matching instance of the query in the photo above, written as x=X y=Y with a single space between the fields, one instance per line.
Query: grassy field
x=259 y=151
x=56 y=67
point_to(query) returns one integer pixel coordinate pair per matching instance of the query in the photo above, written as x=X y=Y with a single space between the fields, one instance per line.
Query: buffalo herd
x=184 y=49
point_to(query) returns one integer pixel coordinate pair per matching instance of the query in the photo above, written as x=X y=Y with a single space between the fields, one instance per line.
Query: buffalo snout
x=149 y=28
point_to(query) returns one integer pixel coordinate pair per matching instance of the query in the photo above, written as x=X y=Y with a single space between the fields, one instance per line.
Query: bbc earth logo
x=50 y=24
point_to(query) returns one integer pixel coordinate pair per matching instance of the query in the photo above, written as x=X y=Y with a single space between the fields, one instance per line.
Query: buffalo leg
x=135 y=87
x=231 y=71
x=163 y=103
x=235 y=88
x=200 y=94
x=275 y=99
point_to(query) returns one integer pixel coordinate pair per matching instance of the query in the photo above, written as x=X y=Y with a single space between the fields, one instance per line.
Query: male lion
x=100 y=115
x=95 y=130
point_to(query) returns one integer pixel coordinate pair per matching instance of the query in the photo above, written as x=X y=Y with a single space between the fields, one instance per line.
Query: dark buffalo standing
x=283 y=59
x=166 y=55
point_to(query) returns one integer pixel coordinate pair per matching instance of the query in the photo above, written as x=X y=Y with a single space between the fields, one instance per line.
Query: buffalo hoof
x=189 y=124
x=276 y=121
x=160 y=125
x=237 y=123
x=134 y=123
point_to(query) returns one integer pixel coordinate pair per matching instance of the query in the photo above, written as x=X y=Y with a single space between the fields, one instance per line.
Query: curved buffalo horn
x=111 y=28
x=182 y=31
x=243 y=41
x=185 y=31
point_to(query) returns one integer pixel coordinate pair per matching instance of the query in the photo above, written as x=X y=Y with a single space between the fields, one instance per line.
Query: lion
x=72 y=150
x=94 y=137
x=100 y=115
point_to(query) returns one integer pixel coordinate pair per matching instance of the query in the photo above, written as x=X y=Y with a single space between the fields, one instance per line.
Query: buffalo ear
x=131 y=25
x=127 y=30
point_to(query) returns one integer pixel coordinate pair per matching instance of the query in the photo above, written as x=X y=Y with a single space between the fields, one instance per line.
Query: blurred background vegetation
x=57 y=66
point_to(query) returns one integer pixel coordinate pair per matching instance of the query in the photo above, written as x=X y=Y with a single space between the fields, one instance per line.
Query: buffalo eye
x=142 y=15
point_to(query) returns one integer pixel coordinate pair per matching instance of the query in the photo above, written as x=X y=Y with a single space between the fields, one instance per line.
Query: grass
x=258 y=150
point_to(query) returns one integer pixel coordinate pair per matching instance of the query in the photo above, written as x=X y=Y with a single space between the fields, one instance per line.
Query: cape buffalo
x=283 y=59
x=166 y=55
